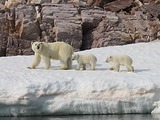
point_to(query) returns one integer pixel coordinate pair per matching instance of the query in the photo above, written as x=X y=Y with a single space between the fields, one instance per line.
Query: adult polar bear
x=57 y=51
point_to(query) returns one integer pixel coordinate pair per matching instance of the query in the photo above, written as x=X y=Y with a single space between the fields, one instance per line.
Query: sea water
x=89 y=117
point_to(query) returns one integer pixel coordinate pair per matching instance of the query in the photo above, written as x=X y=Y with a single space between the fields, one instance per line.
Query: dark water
x=89 y=117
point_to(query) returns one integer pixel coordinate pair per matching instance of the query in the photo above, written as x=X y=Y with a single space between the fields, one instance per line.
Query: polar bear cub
x=118 y=60
x=84 y=59
x=57 y=51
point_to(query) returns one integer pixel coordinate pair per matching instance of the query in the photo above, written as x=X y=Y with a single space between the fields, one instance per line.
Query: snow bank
x=27 y=92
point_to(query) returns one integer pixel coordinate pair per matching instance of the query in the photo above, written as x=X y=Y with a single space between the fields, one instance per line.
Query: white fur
x=82 y=60
x=57 y=50
x=118 y=60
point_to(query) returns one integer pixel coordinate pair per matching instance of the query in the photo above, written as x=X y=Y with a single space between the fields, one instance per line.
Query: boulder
x=62 y=27
x=70 y=33
x=108 y=32
x=118 y=5
x=30 y=29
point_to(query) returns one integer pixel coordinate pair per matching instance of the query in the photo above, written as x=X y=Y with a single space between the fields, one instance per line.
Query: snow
x=28 y=92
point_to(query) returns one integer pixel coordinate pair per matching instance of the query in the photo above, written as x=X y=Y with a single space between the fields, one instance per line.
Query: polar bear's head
x=75 y=57
x=109 y=59
x=37 y=46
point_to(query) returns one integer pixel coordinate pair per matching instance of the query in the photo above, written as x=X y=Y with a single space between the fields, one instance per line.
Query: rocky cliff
x=83 y=24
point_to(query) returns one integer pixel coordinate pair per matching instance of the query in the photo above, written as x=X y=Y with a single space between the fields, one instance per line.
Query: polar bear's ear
x=32 y=43
x=39 y=45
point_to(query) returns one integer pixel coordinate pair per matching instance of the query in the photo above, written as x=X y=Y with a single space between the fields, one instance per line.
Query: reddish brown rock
x=63 y=27
x=16 y=46
x=118 y=5
x=153 y=10
x=3 y=34
x=2 y=8
x=30 y=30
x=82 y=27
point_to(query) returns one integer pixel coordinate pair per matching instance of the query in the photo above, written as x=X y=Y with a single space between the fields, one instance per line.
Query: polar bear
x=118 y=60
x=84 y=59
x=57 y=50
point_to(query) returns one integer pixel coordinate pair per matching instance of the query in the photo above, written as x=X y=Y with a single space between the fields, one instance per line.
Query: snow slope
x=27 y=92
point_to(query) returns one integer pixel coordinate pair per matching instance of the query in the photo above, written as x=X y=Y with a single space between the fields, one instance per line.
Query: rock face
x=115 y=22
x=29 y=28
x=90 y=20
x=108 y=31
x=62 y=22
x=16 y=46
x=3 y=35
x=26 y=30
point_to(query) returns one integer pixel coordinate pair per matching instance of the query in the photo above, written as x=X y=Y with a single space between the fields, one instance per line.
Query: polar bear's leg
x=69 y=63
x=92 y=66
x=117 y=67
x=64 y=64
x=47 y=62
x=64 y=60
x=84 y=66
x=79 y=66
x=130 y=68
x=37 y=60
